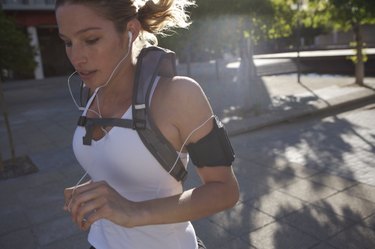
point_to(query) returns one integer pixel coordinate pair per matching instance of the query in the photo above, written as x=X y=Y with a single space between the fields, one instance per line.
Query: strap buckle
x=139 y=117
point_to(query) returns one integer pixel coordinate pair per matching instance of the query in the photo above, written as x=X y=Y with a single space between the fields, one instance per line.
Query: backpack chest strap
x=90 y=123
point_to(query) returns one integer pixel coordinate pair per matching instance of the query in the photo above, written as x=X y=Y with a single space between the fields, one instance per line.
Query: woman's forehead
x=76 y=18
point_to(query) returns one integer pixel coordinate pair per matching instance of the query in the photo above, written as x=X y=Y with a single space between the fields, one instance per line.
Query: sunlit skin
x=179 y=105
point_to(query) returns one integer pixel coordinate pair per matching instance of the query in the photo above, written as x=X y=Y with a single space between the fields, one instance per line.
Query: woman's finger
x=84 y=204
x=90 y=218
x=70 y=192
x=89 y=213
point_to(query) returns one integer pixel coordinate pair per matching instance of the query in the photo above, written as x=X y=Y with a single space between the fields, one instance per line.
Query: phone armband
x=214 y=149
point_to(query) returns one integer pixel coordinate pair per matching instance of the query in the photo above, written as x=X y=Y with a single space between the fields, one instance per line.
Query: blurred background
x=220 y=30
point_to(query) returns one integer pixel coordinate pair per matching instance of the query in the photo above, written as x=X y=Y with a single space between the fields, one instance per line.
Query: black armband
x=214 y=149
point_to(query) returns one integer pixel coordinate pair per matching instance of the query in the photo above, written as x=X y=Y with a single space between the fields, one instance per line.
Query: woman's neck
x=121 y=85
x=117 y=95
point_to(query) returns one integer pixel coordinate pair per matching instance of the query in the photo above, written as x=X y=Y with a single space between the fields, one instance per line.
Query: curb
x=250 y=124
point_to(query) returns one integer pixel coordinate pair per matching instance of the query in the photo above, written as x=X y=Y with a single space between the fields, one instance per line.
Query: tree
x=236 y=25
x=15 y=55
x=344 y=15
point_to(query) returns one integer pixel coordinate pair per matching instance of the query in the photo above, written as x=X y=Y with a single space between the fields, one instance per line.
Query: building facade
x=37 y=18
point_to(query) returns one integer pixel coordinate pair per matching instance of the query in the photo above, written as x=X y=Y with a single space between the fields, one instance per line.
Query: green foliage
x=283 y=19
x=340 y=14
x=15 y=52
x=354 y=58
x=345 y=15
x=353 y=12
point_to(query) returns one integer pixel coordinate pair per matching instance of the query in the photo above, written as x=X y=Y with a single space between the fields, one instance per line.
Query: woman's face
x=92 y=44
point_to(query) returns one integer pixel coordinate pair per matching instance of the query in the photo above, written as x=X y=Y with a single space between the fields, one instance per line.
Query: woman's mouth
x=86 y=75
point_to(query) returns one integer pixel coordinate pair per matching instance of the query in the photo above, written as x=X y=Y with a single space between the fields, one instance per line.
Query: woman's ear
x=133 y=26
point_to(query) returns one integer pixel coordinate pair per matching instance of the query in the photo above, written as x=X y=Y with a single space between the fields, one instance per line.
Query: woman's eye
x=92 y=41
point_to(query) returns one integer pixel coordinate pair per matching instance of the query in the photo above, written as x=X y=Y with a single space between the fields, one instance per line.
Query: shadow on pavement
x=285 y=175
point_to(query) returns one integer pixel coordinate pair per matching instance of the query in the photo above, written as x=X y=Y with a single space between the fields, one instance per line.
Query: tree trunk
x=360 y=64
x=252 y=92
x=7 y=125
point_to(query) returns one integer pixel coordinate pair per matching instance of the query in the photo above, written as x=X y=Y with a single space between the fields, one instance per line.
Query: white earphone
x=130 y=34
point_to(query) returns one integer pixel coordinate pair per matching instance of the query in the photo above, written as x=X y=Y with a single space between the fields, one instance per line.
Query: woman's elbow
x=232 y=194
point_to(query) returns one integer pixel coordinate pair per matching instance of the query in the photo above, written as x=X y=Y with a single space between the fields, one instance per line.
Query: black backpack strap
x=152 y=62
x=89 y=124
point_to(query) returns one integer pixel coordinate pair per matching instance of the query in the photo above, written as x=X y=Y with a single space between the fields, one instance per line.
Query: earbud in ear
x=130 y=34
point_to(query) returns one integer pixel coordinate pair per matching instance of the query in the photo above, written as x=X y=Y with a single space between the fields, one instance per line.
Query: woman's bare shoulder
x=189 y=102
x=183 y=85
x=186 y=93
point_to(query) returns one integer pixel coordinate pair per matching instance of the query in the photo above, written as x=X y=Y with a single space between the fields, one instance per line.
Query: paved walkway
x=43 y=120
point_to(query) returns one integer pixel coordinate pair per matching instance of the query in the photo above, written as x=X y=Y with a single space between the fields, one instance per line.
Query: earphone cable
x=187 y=138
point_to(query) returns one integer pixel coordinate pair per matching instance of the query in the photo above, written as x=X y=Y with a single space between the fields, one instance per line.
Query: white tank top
x=121 y=159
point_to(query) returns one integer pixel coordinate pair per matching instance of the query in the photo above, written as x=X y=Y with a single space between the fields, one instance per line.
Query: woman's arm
x=218 y=192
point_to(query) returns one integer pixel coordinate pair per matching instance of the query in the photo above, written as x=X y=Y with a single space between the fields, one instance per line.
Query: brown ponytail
x=159 y=18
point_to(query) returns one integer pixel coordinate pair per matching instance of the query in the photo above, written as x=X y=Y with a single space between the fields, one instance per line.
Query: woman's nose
x=77 y=56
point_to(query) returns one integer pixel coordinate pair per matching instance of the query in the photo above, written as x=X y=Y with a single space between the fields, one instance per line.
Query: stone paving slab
x=54 y=230
x=370 y=222
x=13 y=220
x=280 y=236
x=212 y=235
x=354 y=238
x=20 y=239
x=363 y=191
x=308 y=191
x=78 y=241
x=252 y=175
x=277 y=204
x=235 y=243
x=45 y=213
x=241 y=219
x=318 y=222
x=323 y=245
x=348 y=206
x=333 y=181
x=293 y=168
